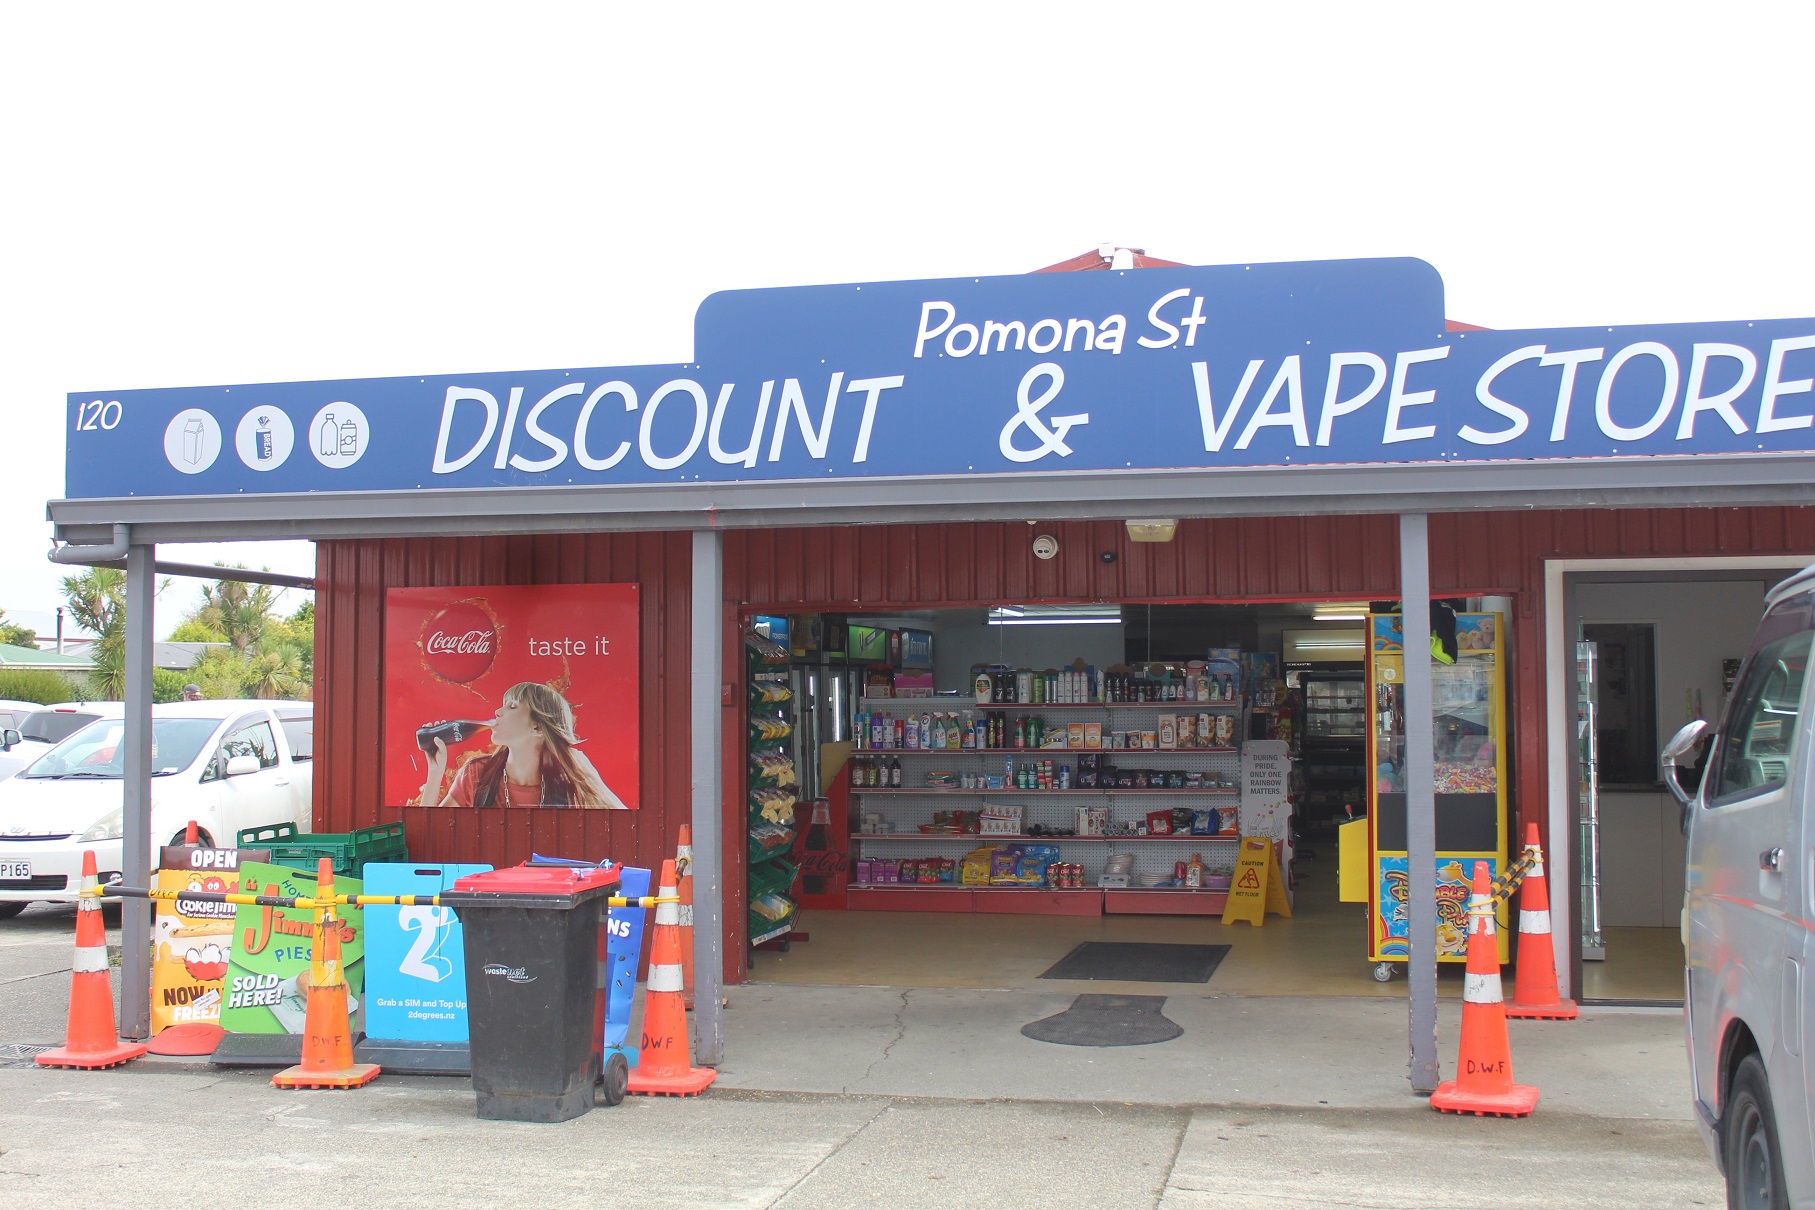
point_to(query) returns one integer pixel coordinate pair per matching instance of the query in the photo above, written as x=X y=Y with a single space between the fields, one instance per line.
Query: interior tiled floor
x=1641 y=964
x=1319 y=951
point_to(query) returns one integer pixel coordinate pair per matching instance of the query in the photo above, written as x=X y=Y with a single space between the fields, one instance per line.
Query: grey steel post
x=135 y=815
x=707 y=718
x=1420 y=799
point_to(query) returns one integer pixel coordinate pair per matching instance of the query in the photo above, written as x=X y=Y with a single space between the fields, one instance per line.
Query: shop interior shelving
x=914 y=803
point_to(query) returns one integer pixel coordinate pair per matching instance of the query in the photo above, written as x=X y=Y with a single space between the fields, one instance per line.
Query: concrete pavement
x=848 y=1096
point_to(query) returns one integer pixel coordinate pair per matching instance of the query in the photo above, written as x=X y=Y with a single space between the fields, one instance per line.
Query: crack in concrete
x=28 y=978
x=1178 y=1145
x=900 y=1032
x=832 y=1154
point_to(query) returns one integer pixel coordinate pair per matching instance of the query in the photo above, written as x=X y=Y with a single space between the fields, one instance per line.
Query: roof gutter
x=90 y=555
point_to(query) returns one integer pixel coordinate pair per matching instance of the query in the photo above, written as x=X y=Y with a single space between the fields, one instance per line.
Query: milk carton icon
x=195 y=441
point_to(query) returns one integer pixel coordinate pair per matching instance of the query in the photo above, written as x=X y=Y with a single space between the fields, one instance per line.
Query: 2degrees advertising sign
x=1315 y=363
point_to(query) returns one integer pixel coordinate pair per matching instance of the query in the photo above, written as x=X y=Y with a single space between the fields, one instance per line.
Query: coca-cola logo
x=459 y=642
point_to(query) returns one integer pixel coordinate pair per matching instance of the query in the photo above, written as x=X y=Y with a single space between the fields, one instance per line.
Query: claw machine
x=1468 y=703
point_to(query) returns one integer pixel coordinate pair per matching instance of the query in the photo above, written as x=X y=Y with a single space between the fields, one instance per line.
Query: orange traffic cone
x=1535 y=981
x=327 y=1048
x=1484 y=1080
x=665 y=1067
x=683 y=866
x=90 y=1041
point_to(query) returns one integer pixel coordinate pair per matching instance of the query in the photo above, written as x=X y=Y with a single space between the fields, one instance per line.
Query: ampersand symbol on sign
x=1027 y=415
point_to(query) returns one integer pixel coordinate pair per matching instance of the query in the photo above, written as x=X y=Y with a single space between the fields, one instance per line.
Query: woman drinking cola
x=535 y=762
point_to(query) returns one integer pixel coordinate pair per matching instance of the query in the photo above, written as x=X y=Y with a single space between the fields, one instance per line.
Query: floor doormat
x=1107 y=1021
x=1139 y=962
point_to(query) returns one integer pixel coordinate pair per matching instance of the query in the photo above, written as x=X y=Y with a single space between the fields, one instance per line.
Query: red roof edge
x=1102 y=257
x=1096 y=259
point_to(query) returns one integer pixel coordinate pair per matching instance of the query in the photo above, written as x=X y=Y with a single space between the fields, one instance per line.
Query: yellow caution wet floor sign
x=1256 y=888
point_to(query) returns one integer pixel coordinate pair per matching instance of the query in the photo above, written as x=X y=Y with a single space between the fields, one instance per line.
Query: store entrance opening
x=1652 y=651
x=977 y=792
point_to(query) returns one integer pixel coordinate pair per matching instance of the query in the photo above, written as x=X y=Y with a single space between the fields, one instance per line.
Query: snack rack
x=771 y=793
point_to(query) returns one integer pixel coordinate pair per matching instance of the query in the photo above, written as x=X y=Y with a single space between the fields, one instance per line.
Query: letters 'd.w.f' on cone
x=327 y=1045
x=665 y=1066
x=90 y=1041
x=1535 y=992
x=1484 y=1080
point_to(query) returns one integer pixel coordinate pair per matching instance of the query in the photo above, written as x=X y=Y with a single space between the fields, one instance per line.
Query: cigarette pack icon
x=195 y=440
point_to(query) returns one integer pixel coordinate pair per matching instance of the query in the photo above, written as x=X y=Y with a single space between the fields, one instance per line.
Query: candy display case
x=1468 y=706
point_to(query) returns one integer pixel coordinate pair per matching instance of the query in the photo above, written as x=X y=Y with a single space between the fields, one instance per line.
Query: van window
x=1756 y=741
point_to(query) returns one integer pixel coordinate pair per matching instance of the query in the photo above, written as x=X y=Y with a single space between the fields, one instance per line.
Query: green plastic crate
x=347 y=851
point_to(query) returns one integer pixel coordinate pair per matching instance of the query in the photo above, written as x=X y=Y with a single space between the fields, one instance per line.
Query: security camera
x=1107 y=556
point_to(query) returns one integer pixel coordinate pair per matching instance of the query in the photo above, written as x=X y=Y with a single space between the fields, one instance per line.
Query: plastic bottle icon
x=328 y=444
x=195 y=440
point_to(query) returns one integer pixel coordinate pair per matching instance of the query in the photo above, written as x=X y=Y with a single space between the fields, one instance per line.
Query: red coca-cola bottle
x=816 y=859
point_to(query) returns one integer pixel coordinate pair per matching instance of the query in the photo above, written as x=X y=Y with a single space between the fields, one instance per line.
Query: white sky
x=206 y=194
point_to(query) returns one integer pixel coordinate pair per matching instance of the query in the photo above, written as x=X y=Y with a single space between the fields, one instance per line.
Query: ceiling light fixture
x=1055 y=615
x=1151 y=529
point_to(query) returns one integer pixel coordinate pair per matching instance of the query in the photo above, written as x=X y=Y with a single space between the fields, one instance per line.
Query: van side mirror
x=8 y=738
x=237 y=765
x=1680 y=745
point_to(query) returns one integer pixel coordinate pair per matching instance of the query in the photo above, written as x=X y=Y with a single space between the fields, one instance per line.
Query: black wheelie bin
x=534 y=1004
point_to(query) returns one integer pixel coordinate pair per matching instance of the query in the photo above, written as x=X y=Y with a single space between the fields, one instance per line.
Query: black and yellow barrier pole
x=317 y=903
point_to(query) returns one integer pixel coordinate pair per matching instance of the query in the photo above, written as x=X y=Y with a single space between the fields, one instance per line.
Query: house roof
x=50 y=661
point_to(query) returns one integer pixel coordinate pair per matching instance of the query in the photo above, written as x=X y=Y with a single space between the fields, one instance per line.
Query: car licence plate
x=15 y=869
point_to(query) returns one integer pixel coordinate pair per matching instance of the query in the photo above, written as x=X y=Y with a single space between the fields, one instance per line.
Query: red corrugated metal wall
x=844 y=568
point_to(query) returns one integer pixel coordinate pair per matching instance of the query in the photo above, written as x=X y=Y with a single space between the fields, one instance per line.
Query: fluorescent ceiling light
x=1330 y=644
x=1339 y=617
x=1055 y=615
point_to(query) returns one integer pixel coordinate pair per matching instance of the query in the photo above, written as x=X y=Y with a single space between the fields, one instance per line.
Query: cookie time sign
x=1318 y=363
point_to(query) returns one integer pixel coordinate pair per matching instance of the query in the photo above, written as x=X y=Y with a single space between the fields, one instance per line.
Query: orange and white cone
x=683 y=868
x=665 y=1063
x=1484 y=1079
x=1535 y=992
x=327 y=1048
x=90 y=1041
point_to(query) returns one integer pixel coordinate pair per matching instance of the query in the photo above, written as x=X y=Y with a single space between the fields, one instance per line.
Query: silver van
x=1749 y=913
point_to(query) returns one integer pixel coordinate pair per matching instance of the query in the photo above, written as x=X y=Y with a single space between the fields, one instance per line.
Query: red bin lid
x=539 y=879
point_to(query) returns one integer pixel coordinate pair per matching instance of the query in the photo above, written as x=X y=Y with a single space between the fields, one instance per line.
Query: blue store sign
x=1317 y=363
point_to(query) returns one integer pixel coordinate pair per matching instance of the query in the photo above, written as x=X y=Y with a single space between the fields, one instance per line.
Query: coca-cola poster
x=512 y=696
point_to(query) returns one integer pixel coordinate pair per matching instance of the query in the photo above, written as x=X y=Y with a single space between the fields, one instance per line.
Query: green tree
x=17 y=635
x=97 y=602
x=237 y=610
x=192 y=631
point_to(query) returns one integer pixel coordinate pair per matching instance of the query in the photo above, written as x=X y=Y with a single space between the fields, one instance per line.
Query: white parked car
x=13 y=712
x=227 y=765
x=41 y=728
